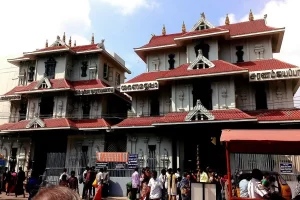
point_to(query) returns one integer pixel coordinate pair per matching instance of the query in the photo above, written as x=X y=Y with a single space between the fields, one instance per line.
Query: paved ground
x=4 y=197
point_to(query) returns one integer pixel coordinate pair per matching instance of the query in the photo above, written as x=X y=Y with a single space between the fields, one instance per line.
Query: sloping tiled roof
x=81 y=85
x=148 y=76
x=236 y=29
x=201 y=32
x=276 y=115
x=268 y=64
x=89 y=47
x=220 y=67
x=52 y=48
x=58 y=123
x=179 y=117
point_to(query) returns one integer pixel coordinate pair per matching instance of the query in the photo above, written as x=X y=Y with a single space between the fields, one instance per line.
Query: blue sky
x=123 y=32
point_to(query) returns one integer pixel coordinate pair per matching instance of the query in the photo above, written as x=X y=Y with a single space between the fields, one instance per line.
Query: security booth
x=278 y=142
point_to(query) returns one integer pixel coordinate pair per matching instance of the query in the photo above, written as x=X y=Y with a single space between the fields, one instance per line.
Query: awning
x=272 y=141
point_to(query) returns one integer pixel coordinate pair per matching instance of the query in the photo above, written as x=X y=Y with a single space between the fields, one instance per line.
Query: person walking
x=155 y=187
x=135 y=180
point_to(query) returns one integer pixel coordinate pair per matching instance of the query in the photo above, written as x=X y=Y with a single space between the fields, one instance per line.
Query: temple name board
x=108 y=157
x=140 y=86
x=10 y=98
x=277 y=74
x=95 y=91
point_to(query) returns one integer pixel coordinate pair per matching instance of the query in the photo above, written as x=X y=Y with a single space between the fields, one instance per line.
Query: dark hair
x=185 y=174
x=272 y=179
x=87 y=168
x=136 y=169
x=64 y=177
x=93 y=168
x=170 y=170
x=154 y=172
x=266 y=174
x=101 y=169
x=257 y=174
x=72 y=173
x=20 y=168
x=104 y=169
x=56 y=192
x=65 y=169
x=178 y=169
x=298 y=178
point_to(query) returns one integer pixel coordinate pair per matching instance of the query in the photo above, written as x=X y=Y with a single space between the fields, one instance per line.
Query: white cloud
x=127 y=7
x=27 y=24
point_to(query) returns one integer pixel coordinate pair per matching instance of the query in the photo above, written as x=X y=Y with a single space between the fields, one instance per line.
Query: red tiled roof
x=269 y=64
x=95 y=83
x=240 y=28
x=5 y=126
x=179 y=117
x=91 y=123
x=16 y=89
x=220 y=67
x=162 y=40
x=148 y=76
x=139 y=121
x=49 y=123
x=276 y=115
x=247 y=27
x=89 y=47
x=52 y=48
x=201 y=32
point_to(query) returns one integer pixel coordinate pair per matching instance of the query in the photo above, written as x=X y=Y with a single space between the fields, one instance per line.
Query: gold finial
x=163 y=32
x=46 y=44
x=183 y=29
x=203 y=15
x=70 y=41
x=93 y=39
x=74 y=43
x=64 y=37
x=227 y=21
x=251 y=17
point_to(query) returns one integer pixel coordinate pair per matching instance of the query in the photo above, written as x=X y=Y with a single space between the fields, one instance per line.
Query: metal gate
x=265 y=162
x=54 y=167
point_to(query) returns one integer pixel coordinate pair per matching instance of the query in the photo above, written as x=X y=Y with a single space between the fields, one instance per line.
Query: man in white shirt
x=255 y=188
x=64 y=173
x=135 y=180
x=163 y=179
x=155 y=187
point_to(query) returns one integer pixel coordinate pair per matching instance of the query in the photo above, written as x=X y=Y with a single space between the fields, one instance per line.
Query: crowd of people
x=13 y=182
x=170 y=184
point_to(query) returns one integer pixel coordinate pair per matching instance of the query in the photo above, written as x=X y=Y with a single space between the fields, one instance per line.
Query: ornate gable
x=202 y=24
x=35 y=122
x=58 y=42
x=200 y=62
x=43 y=83
x=199 y=113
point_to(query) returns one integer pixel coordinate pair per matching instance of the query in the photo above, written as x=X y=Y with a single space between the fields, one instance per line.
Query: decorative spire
x=203 y=15
x=46 y=44
x=70 y=41
x=183 y=29
x=251 y=17
x=227 y=21
x=265 y=18
x=93 y=39
x=64 y=38
x=58 y=38
x=75 y=43
x=163 y=32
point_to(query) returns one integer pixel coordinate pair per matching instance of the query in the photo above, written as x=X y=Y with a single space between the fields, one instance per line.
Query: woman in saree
x=185 y=187
x=145 y=191
x=172 y=186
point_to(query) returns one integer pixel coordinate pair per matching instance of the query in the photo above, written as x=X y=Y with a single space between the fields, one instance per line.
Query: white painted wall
x=228 y=49
x=60 y=106
x=279 y=95
x=182 y=97
x=162 y=57
x=61 y=62
x=74 y=108
x=223 y=93
x=32 y=108
x=93 y=62
x=213 y=50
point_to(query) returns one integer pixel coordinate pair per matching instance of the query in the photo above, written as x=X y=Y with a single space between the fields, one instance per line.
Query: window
x=260 y=96
x=46 y=107
x=50 y=65
x=105 y=71
x=118 y=79
x=86 y=107
x=203 y=93
x=23 y=109
x=154 y=105
x=152 y=162
x=110 y=74
x=44 y=85
x=31 y=73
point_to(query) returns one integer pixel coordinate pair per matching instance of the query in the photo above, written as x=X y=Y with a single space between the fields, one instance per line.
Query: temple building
x=66 y=100
x=201 y=81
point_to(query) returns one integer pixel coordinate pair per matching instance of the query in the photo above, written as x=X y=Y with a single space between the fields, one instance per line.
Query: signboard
x=286 y=168
x=10 y=98
x=95 y=91
x=278 y=74
x=100 y=165
x=132 y=161
x=140 y=86
x=106 y=157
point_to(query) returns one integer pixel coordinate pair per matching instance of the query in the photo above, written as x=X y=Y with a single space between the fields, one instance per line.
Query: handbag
x=95 y=183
